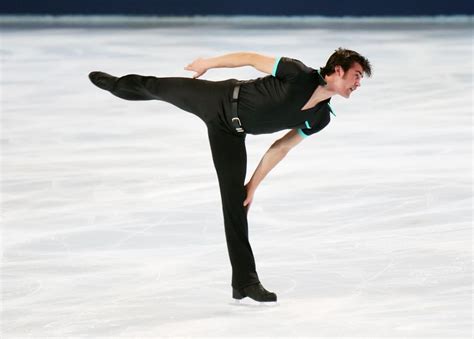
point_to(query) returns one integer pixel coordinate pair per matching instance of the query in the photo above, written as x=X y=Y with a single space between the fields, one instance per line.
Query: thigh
x=201 y=97
x=230 y=160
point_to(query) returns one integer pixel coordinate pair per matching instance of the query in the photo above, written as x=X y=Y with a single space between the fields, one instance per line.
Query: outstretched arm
x=277 y=151
x=258 y=61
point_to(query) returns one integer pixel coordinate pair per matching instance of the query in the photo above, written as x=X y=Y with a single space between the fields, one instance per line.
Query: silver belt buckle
x=238 y=129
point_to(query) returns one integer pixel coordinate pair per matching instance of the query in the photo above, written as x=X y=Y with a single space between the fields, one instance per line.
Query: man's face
x=350 y=80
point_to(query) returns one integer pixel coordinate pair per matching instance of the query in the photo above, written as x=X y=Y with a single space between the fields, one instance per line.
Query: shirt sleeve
x=288 y=69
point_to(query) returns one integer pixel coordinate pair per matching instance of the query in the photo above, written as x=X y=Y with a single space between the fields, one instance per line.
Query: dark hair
x=345 y=58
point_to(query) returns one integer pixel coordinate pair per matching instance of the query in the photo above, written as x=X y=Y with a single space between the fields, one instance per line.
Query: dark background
x=242 y=7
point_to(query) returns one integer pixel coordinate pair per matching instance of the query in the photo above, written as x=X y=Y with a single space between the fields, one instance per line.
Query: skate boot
x=103 y=80
x=256 y=292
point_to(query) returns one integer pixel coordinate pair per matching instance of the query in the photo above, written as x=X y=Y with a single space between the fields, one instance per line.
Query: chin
x=345 y=94
x=349 y=94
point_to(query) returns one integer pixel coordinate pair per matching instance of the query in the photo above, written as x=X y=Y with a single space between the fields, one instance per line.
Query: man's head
x=344 y=71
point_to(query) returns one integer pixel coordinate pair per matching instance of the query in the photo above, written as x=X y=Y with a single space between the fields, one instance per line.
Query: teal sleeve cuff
x=275 y=66
x=300 y=132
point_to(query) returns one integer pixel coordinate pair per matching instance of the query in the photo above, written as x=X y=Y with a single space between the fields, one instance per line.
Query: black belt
x=235 y=118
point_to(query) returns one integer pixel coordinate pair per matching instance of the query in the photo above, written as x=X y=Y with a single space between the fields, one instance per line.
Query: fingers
x=198 y=74
x=247 y=206
x=192 y=66
x=189 y=67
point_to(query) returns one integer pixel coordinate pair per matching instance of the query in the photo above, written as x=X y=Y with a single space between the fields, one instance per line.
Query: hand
x=198 y=66
x=249 y=198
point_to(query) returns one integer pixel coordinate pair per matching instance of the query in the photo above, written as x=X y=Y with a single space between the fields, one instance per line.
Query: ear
x=339 y=70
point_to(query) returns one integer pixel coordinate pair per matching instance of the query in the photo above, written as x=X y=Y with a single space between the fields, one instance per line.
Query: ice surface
x=112 y=222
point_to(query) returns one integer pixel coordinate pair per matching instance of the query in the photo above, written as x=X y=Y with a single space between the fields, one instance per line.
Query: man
x=292 y=96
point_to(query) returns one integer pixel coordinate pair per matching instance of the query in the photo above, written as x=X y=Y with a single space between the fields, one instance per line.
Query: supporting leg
x=230 y=160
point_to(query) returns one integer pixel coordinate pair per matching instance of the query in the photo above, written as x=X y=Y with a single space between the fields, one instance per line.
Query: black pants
x=210 y=101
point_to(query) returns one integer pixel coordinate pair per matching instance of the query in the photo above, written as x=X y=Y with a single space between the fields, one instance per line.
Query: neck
x=328 y=90
x=324 y=92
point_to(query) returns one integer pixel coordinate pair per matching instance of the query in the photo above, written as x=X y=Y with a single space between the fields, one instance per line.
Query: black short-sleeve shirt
x=274 y=102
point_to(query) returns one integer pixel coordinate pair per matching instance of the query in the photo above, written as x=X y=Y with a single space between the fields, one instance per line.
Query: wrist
x=251 y=187
x=210 y=63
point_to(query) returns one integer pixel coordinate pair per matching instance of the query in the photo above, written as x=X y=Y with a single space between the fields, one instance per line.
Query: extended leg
x=200 y=97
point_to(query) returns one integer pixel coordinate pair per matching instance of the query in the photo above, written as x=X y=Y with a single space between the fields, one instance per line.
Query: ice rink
x=111 y=215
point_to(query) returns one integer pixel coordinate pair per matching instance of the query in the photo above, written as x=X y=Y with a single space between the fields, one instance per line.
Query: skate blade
x=252 y=303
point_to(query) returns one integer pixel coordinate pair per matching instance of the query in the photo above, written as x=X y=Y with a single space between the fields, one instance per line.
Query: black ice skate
x=256 y=292
x=103 y=80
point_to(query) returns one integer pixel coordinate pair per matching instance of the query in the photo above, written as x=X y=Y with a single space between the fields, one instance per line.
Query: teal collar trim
x=331 y=110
